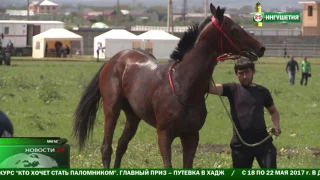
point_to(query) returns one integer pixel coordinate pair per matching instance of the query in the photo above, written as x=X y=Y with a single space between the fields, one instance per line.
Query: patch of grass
x=40 y=98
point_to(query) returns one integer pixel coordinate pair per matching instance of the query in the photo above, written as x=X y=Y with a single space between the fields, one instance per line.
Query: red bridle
x=224 y=56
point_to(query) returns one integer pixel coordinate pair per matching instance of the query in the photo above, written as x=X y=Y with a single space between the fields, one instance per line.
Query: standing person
x=57 y=45
x=67 y=50
x=291 y=68
x=247 y=101
x=306 y=71
x=46 y=50
x=285 y=52
x=78 y=51
x=1 y=39
x=98 y=49
x=8 y=52
x=9 y=47
x=6 y=127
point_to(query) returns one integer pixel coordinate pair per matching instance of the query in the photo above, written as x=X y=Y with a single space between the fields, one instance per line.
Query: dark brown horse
x=133 y=81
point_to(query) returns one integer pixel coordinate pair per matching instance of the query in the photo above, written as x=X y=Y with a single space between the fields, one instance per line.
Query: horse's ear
x=219 y=13
x=213 y=10
x=223 y=10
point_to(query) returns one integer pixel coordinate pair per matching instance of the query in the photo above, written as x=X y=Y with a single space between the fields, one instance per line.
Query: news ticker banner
x=160 y=173
x=48 y=152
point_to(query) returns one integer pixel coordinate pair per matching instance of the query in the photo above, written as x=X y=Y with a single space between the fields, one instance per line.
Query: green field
x=40 y=99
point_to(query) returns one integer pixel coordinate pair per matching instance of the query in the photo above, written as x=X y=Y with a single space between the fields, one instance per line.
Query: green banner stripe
x=33 y=141
x=160 y=173
x=281 y=17
x=282 y=13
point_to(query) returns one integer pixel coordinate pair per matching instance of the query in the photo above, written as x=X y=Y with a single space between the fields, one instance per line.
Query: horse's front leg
x=189 y=144
x=165 y=141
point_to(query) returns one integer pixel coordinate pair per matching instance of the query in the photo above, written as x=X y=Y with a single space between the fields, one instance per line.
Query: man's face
x=245 y=76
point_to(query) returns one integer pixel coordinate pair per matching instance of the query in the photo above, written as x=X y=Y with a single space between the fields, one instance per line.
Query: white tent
x=159 y=43
x=50 y=36
x=114 y=41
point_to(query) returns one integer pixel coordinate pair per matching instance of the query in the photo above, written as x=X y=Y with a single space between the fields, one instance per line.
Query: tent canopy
x=40 y=41
x=157 y=35
x=99 y=25
x=114 y=41
x=58 y=34
x=159 y=43
x=119 y=34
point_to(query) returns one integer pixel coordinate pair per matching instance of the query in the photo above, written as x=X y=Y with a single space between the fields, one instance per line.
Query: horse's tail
x=85 y=114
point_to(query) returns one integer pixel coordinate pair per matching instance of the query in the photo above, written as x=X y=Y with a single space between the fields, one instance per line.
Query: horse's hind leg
x=128 y=133
x=112 y=113
x=189 y=144
x=112 y=100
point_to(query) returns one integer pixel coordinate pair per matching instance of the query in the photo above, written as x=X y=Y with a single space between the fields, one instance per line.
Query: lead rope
x=234 y=126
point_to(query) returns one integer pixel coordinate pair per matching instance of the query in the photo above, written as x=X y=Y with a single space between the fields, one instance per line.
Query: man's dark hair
x=242 y=64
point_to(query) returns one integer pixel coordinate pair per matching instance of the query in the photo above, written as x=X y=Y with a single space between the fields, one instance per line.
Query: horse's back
x=141 y=75
x=134 y=62
x=118 y=63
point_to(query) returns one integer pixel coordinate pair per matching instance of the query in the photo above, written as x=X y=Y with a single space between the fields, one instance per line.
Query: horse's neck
x=194 y=72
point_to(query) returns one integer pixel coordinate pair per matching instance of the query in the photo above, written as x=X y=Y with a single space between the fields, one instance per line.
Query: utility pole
x=117 y=13
x=184 y=11
x=28 y=2
x=170 y=18
x=205 y=9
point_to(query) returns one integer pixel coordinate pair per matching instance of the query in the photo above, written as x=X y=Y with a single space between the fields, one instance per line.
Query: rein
x=235 y=127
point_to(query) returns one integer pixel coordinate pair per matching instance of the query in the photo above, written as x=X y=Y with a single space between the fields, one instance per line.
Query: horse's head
x=230 y=37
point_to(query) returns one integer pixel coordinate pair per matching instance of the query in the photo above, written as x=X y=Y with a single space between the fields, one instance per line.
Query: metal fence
x=178 y=29
x=298 y=50
x=255 y=31
x=274 y=32
x=273 y=50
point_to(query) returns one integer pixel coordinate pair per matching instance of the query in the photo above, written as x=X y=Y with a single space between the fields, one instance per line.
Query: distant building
x=2 y=11
x=18 y=13
x=145 y=14
x=193 y=17
x=310 y=18
x=109 y=15
x=44 y=7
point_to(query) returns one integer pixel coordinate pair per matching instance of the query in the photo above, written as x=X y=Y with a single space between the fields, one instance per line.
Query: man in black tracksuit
x=247 y=102
x=6 y=128
x=291 y=68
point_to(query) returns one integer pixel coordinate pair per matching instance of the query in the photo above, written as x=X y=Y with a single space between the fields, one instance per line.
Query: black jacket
x=6 y=127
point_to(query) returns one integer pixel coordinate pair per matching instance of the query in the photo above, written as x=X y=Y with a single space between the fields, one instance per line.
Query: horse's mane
x=189 y=38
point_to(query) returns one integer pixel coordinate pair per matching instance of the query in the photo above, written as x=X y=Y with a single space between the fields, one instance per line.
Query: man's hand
x=275 y=117
x=276 y=131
